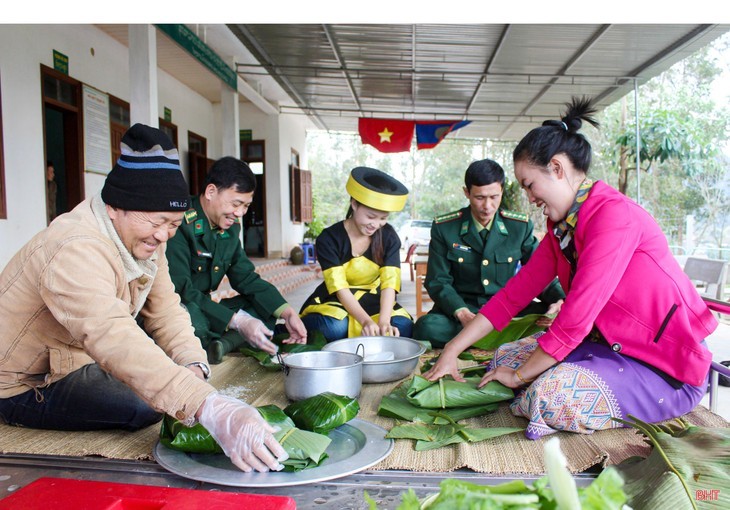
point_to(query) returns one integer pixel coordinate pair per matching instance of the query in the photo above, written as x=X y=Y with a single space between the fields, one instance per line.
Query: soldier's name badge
x=461 y=247
x=205 y=254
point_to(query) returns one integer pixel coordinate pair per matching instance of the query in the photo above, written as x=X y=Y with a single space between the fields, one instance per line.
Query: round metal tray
x=355 y=446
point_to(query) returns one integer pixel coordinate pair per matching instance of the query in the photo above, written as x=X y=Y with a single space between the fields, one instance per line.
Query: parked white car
x=415 y=232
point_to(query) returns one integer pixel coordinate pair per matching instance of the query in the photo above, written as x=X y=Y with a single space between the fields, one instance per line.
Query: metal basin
x=310 y=373
x=387 y=358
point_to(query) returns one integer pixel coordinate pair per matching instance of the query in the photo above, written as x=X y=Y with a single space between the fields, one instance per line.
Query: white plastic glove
x=254 y=331
x=245 y=437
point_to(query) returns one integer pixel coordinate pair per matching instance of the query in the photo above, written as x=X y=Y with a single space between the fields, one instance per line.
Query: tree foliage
x=683 y=136
x=683 y=141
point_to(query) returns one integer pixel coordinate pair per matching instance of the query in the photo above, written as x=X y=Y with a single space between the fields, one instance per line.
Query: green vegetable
x=431 y=436
x=688 y=467
x=604 y=493
x=446 y=393
x=322 y=413
x=519 y=327
x=561 y=481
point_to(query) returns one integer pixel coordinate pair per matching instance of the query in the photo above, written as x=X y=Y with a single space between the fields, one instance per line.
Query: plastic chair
x=717 y=368
x=310 y=255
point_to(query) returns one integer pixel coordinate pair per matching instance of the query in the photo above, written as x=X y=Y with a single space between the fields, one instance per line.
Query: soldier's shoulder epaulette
x=512 y=215
x=448 y=217
x=190 y=215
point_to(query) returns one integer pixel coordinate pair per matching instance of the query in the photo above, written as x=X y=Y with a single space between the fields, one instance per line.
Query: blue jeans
x=86 y=399
x=334 y=329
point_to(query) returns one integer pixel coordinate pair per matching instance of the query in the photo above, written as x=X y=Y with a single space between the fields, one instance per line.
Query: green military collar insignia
x=514 y=215
x=448 y=217
x=190 y=215
x=198 y=227
x=501 y=227
x=224 y=234
x=464 y=227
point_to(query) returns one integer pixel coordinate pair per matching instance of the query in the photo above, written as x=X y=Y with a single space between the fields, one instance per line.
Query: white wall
x=292 y=135
x=95 y=59
x=103 y=63
x=290 y=132
x=23 y=48
x=190 y=111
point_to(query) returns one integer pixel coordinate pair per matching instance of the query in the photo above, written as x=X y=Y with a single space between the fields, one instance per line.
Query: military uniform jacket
x=464 y=271
x=199 y=257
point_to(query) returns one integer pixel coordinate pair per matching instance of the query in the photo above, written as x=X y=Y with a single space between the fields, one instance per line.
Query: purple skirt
x=589 y=387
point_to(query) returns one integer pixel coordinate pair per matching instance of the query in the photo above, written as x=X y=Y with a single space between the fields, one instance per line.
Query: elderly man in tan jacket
x=72 y=353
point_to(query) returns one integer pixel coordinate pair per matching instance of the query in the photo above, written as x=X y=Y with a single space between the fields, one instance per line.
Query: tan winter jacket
x=69 y=297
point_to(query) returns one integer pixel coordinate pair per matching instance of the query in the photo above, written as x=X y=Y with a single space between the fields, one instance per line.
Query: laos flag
x=430 y=133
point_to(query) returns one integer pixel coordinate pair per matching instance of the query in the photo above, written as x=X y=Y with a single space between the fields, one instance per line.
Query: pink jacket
x=627 y=283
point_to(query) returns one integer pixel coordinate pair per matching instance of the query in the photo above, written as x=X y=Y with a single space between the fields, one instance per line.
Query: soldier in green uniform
x=207 y=247
x=472 y=254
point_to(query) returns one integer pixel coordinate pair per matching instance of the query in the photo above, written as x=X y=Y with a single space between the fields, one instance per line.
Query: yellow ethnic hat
x=376 y=189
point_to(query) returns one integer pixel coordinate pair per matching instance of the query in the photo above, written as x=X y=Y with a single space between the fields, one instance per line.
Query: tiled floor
x=719 y=341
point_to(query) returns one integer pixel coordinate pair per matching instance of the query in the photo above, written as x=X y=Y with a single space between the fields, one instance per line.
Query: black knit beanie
x=147 y=176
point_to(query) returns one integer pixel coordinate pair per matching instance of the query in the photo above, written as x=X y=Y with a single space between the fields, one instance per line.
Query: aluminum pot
x=310 y=373
x=386 y=358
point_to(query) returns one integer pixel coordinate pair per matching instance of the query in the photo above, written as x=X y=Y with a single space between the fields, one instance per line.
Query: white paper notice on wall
x=97 y=136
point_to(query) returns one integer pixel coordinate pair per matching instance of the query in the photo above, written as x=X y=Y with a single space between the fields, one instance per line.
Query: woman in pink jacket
x=629 y=338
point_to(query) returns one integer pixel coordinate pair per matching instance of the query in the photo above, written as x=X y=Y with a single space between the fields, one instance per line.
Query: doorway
x=62 y=137
x=254 y=223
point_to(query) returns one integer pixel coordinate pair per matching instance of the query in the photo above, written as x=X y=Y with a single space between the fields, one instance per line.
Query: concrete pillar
x=229 y=118
x=143 y=75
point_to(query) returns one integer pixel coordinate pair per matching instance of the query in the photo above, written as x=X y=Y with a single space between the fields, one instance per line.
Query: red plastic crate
x=64 y=494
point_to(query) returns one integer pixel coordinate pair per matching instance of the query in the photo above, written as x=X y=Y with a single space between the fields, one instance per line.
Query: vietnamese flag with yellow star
x=387 y=135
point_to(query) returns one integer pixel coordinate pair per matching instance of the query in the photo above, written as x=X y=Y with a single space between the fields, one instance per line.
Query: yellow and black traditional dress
x=362 y=275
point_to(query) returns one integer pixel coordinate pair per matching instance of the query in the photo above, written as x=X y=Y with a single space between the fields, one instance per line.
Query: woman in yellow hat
x=360 y=259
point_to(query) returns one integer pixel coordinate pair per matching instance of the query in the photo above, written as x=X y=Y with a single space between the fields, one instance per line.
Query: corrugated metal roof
x=505 y=78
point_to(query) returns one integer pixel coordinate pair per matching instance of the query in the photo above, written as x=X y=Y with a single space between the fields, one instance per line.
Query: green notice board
x=201 y=51
x=60 y=62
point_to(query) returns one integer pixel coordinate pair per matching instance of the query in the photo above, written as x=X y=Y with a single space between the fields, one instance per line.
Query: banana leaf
x=466 y=355
x=396 y=405
x=446 y=393
x=306 y=449
x=322 y=413
x=315 y=342
x=431 y=436
x=519 y=327
x=479 y=358
x=195 y=439
x=688 y=467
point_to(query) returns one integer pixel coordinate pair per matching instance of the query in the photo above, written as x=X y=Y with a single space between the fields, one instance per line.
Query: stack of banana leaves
x=315 y=342
x=434 y=409
x=305 y=440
